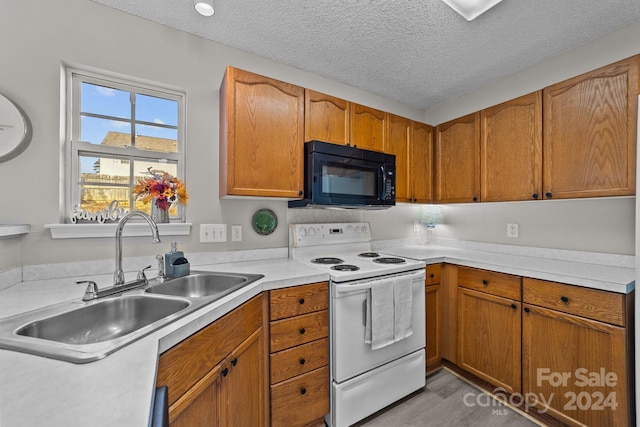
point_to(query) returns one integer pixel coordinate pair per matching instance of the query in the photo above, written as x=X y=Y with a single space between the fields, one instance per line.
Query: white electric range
x=366 y=375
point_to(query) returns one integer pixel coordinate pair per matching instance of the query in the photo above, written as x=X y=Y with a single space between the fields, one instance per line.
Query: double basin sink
x=82 y=332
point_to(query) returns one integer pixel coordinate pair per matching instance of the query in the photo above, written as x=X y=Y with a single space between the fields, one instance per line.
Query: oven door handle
x=353 y=288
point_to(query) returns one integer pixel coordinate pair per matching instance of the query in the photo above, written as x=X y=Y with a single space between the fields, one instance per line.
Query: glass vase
x=160 y=216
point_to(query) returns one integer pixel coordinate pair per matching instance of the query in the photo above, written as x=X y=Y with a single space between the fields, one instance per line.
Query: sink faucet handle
x=142 y=276
x=92 y=290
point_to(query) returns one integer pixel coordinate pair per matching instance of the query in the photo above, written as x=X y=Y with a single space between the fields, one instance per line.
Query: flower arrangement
x=162 y=187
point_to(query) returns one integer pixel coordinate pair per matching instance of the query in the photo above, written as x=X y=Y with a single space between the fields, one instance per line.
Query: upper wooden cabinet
x=590 y=133
x=368 y=127
x=326 y=118
x=457 y=165
x=261 y=136
x=511 y=150
x=412 y=144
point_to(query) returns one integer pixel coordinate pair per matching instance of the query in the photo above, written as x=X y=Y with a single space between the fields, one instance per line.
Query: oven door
x=347 y=181
x=350 y=355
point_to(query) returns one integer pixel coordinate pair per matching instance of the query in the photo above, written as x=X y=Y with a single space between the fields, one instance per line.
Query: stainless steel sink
x=104 y=320
x=204 y=284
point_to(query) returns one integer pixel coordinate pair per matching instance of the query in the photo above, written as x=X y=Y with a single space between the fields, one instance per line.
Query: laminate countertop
x=118 y=390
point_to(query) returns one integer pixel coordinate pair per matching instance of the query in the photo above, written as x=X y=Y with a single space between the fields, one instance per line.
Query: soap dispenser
x=175 y=264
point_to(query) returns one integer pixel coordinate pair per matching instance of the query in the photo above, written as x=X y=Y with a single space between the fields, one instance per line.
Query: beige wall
x=39 y=36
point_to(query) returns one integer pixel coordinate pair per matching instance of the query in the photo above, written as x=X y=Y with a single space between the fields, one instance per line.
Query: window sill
x=132 y=229
x=13 y=230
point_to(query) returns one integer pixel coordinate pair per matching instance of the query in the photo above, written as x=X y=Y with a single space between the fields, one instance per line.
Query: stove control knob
x=358 y=230
x=350 y=229
x=312 y=232
x=303 y=231
x=365 y=229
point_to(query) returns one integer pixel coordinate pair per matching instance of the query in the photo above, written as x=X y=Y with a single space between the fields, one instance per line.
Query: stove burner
x=389 y=260
x=369 y=254
x=327 y=260
x=345 y=267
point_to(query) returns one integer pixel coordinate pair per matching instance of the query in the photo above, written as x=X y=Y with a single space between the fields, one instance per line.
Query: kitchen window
x=116 y=130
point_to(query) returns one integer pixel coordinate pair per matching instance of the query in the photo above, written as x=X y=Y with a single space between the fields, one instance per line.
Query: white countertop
x=117 y=390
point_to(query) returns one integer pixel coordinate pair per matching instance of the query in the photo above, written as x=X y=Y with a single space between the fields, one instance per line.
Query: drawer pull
x=301 y=301
x=302 y=331
x=302 y=361
x=432 y=275
x=303 y=390
x=225 y=371
x=485 y=282
x=526 y=309
x=514 y=306
x=564 y=299
x=234 y=362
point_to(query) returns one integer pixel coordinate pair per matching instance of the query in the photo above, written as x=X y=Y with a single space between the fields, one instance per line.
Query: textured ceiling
x=418 y=52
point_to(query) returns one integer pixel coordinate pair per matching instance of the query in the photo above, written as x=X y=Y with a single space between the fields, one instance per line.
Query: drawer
x=301 y=399
x=298 y=360
x=593 y=304
x=433 y=274
x=296 y=300
x=490 y=282
x=298 y=330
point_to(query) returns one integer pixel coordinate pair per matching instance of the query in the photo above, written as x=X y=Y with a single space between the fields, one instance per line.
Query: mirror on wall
x=15 y=129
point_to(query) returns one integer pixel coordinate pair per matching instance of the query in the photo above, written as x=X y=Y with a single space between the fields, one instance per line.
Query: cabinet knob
x=564 y=299
x=303 y=390
x=514 y=306
x=302 y=331
x=225 y=371
x=302 y=361
x=234 y=362
x=432 y=275
x=300 y=193
x=548 y=195
x=535 y=196
x=475 y=199
x=526 y=309
x=301 y=301
x=485 y=282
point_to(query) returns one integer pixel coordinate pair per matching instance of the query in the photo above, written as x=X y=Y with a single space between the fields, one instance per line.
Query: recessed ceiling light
x=204 y=7
x=471 y=9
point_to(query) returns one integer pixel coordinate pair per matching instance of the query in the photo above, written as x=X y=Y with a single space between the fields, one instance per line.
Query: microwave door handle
x=382 y=180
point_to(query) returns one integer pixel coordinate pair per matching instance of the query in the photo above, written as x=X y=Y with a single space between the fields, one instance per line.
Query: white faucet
x=118 y=276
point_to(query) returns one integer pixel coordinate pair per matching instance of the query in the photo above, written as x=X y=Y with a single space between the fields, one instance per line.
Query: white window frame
x=74 y=77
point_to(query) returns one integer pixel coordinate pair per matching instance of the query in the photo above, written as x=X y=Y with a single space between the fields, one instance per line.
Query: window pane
x=105 y=101
x=113 y=133
x=154 y=138
x=104 y=170
x=156 y=110
x=94 y=198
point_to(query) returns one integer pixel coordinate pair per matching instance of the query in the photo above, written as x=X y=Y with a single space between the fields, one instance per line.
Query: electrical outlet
x=236 y=233
x=213 y=233
x=512 y=231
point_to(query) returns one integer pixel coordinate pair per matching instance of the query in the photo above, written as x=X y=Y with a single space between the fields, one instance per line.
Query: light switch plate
x=512 y=231
x=236 y=233
x=213 y=233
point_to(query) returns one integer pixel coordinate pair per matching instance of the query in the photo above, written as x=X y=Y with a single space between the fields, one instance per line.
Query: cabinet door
x=326 y=118
x=398 y=144
x=261 y=136
x=199 y=406
x=368 y=127
x=244 y=387
x=457 y=152
x=432 y=303
x=489 y=338
x=560 y=351
x=511 y=150
x=421 y=166
x=590 y=133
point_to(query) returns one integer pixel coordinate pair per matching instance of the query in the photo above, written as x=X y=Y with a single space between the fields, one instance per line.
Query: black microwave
x=343 y=176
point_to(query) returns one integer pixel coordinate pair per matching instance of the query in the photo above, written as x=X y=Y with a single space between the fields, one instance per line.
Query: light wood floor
x=443 y=404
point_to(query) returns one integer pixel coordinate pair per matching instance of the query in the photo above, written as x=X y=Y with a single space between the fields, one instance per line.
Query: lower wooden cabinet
x=489 y=338
x=578 y=366
x=299 y=355
x=216 y=377
x=433 y=317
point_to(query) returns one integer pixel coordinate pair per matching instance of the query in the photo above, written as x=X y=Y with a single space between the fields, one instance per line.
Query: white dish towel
x=379 y=324
x=403 y=305
x=389 y=311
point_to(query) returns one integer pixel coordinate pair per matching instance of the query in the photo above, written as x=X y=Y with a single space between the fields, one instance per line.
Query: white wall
x=38 y=36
